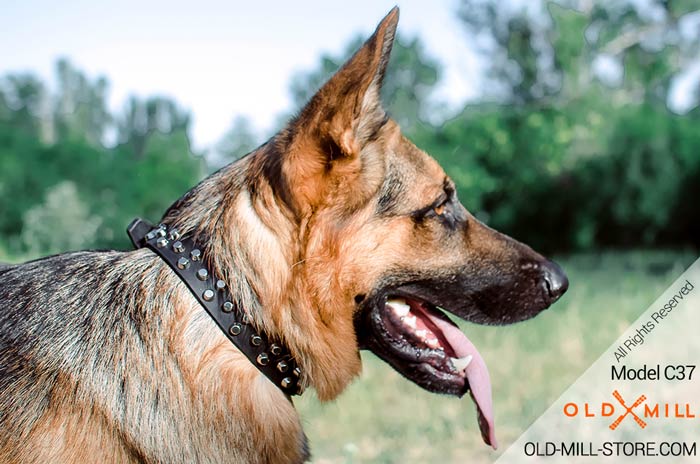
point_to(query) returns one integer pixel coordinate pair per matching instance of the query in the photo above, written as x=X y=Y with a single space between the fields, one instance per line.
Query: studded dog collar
x=185 y=258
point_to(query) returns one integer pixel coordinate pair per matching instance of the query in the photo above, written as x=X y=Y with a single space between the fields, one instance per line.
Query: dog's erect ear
x=339 y=119
x=347 y=110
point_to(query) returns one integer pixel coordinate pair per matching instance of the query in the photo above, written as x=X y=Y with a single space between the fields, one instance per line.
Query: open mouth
x=425 y=346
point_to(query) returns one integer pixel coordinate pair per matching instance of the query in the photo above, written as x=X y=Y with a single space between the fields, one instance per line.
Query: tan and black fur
x=107 y=357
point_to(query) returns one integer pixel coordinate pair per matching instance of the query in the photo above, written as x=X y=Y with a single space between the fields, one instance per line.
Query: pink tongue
x=477 y=375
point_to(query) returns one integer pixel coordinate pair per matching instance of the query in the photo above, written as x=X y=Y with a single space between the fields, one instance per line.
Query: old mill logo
x=640 y=410
x=628 y=411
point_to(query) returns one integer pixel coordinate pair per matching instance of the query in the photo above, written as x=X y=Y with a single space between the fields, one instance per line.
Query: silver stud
x=263 y=359
x=183 y=263
x=235 y=329
x=255 y=340
x=286 y=382
x=162 y=242
x=178 y=247
x=227 y=307
x=202 y=274
x=174 y=234
x=297 y=371
x=282 y=366
x=160 y=232
x=220 y=284
x=195 y=254
x=151 y=235
x=276 y=349
x=245 y=319
x=208 y=295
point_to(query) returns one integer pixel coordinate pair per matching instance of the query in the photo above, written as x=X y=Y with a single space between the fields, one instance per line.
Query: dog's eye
x=445 y=213
x=440 y=208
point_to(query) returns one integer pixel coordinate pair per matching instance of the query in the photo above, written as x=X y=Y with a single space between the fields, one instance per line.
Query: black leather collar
x=185 y=258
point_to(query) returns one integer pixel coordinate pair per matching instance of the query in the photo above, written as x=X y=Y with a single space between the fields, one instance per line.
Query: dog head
x=384 y=241
x=355 y=237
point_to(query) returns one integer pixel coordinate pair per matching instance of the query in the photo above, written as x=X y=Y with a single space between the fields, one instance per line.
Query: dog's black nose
x=555 y=280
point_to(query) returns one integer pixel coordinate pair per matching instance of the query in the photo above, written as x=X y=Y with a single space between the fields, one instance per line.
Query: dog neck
x=257 y=249
x=184 y=256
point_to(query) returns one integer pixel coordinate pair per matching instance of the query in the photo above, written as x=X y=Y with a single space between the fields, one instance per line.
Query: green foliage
x=238 y=141
x=21 y=99
x=80 y=105
x=563 y=178
x=62 y=222
x=581 y=164
x=143 y=185
x=61 y=188
x=561 y=152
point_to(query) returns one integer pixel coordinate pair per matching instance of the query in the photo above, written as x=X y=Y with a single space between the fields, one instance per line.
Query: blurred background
x=573 y=126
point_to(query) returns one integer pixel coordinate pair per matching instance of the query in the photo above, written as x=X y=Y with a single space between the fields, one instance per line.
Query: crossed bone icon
x=628 y=411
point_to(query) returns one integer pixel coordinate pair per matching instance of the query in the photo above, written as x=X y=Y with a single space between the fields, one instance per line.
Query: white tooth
x=410 y=321
x=399 y=307
x=432 y=342
x=421 y=333
x=461 y=363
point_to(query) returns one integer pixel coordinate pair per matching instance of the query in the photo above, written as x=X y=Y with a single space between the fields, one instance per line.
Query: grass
x=383 y=418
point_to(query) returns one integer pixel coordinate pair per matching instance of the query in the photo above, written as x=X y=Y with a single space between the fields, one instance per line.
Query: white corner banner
x=639 y=402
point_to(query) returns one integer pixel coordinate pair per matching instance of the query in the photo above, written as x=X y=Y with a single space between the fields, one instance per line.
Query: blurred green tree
x=21 y=103
x=238 y=141
x=142 y=118
x=80 y=106
x=573 y=145
x=580 y=149
x=62 y=222
x=52 y=149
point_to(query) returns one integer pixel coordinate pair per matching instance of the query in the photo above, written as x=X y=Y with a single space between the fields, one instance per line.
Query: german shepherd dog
x=336 y=235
